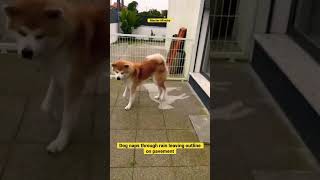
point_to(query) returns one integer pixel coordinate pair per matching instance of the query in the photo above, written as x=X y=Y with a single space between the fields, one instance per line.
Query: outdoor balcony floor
x=145 y=122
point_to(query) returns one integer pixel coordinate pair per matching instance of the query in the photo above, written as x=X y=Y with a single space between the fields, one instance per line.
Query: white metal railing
x=7 y=47
x=177 y=51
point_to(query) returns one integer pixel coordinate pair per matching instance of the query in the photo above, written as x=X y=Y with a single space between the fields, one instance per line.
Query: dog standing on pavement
x=70 y=41
x=135 y=73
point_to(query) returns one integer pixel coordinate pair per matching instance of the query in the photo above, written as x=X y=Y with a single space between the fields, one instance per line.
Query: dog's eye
x=39 y=36
x=122 y=73
x=22 y=33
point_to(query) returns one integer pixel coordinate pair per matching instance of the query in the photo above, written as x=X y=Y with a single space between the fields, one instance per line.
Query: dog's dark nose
x=27 y=53
x=118 y=78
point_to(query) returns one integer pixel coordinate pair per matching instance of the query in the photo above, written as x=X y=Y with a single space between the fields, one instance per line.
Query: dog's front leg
x=48 y=104
x=125 y=91
x=72 y=101
x=132 y=90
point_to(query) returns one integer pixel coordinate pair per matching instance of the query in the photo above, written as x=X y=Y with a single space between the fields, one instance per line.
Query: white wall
x=280 y=18
x=184 y=13
x=247 y=15
x=146 y=30
x=113 y=30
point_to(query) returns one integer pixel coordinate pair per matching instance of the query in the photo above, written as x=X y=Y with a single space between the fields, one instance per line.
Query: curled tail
x=161 y=60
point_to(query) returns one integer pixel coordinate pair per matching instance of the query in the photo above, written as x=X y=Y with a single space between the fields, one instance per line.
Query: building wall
x=146 y=30
x=113 y=31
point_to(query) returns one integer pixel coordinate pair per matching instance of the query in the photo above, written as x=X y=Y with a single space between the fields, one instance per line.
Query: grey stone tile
x=4 y=150
x=153 y=173
x=20 y=77
x=192 y=173
x=11 y=111
x=189 y=106
x=230 y=164
x=98 y=162
x=278 y=159
x=146 y=101
x=188 y=157
x=286 y=175
x=31 y=161
x=122 y=119
x=121 y=157
x=176 y=119
x=182 y=136
x=38 y=127
x=121 y=173
x=147 y=159
x=269 y=130
x=150 y=118
x=101 y=119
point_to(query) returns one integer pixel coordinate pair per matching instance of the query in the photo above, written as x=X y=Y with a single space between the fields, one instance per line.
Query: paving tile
x=121 y=157
x=175 y=119
x=260 y=158
x=182 y=136
x=38 y=127
x=153 y=173
x=17 y=75
x=101 y=118
x=189 y=106
x=122 y=119
x=99 y=161
x=4 y=150
x=188 y=157
x=151 y=160
x=268 y=128
x=121 y=173
x=150 y=118
x=230 y=164
x=192 y=173
x=31 y=161
x=11 y=111
x=146 y=101
x=286 y=175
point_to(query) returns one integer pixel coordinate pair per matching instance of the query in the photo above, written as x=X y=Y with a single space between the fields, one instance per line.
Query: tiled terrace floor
x=254 y=139
x=145 y=122
x=25 y=131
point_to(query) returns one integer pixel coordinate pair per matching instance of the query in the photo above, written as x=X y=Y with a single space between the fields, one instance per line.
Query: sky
x=145 y=5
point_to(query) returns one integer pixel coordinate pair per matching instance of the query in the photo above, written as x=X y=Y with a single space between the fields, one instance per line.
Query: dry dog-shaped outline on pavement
x=234 y=110
x=169 y=99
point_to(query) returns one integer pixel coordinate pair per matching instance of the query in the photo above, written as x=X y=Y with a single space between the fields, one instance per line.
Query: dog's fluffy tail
x=160 y=58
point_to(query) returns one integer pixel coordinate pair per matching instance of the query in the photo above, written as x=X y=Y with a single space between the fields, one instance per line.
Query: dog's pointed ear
x=113 y=65
x=126 y=65
x=54 y=13
x=10 y=10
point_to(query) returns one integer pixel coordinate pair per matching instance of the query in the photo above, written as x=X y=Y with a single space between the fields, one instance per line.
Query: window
x=304 y=26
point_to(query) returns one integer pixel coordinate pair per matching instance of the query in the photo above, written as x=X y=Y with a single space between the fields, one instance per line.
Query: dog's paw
x=128 y=107
x=157 y=97
x=57 y=145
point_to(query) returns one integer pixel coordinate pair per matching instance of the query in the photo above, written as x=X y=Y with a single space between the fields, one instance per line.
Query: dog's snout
x=118 y=78
x=27 y=53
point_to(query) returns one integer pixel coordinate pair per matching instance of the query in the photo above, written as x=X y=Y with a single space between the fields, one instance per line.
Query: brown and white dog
x=134 y=74
x=71 y=41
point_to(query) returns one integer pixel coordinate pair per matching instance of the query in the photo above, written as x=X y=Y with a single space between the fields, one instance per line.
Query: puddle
x=169 y=99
